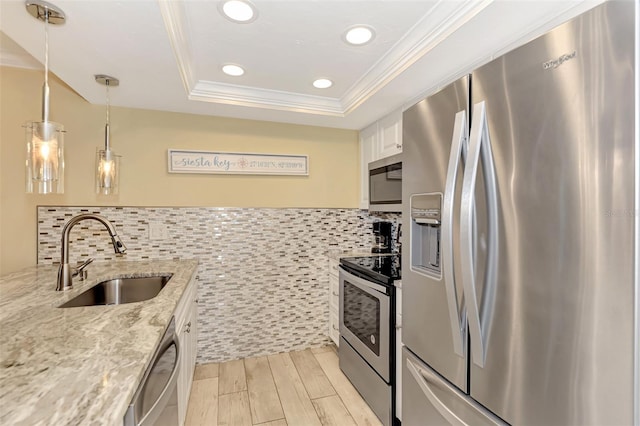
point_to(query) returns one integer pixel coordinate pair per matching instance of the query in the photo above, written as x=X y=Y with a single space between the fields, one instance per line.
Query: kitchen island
x=79 y=365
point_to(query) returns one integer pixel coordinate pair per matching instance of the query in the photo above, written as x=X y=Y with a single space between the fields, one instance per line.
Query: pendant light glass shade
x=45 y=139
x=45 y=157
x=107 y=172
x=107 y=162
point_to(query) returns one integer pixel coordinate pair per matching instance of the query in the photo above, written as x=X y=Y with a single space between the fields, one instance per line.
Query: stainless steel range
x=367 y=329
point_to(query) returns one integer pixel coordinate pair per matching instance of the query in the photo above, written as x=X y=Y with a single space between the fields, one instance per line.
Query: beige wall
x=142 y=137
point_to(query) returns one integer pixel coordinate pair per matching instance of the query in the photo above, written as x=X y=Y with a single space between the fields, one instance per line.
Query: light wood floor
x=295 y=389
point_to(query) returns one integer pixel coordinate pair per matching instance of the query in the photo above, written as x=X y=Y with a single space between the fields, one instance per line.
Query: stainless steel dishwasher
x=156 y=400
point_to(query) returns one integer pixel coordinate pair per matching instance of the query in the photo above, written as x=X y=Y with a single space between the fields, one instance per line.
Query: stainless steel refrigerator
x=520 y=198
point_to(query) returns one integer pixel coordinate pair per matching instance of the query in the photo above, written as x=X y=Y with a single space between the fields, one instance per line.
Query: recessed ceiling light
x=234 y=70
x=241 y=11
x=359 y=35
x=322 y=83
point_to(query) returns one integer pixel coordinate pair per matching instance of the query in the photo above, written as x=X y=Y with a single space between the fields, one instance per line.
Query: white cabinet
x=379 y=140
x=390 y=135
x=368 y=153
x=334 y=302
x=187 y=331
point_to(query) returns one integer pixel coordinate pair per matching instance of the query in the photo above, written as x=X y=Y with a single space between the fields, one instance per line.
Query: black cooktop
x=384 y=269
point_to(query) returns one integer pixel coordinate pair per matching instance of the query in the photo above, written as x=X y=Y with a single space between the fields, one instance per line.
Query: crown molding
x=173 y=14
x=175 y=22
x=232 y=94
x=14 y=56
x=443 y=19
x=437 y=24
x=17 y=60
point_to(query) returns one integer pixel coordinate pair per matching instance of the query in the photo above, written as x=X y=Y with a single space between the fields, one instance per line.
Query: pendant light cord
x=45 y=88
x=107 y=130
x=108 y=101
x=46 y=48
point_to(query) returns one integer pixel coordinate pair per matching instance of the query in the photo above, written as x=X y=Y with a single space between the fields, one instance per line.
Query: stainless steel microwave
x=385 y=184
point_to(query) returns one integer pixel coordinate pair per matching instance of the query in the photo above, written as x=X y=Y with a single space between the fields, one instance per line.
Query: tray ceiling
x=168 y=54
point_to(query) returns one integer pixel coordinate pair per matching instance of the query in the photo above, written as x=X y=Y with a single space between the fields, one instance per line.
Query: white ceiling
x=167 y=54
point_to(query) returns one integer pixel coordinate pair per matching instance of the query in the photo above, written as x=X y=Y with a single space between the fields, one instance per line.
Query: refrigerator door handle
x=421 y=378
x=479 y=145
x=458 y=149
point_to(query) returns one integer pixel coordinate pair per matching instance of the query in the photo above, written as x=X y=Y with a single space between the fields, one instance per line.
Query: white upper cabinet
x=379 y=140
x=390 y=135
x=368 y=153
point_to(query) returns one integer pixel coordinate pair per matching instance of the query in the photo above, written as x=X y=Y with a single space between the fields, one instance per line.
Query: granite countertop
x=79 y=366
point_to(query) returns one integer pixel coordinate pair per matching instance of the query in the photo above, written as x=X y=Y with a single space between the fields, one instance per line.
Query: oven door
x=365 y=322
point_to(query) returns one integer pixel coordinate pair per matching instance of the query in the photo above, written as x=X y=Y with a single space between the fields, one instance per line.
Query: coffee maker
x=382 y=234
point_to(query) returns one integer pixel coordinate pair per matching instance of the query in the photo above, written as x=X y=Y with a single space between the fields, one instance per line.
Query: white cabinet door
x=390 y=134
x=334 y=302
x=380 y=140
x=368 y=153
x=190 y=345
x=187 y=330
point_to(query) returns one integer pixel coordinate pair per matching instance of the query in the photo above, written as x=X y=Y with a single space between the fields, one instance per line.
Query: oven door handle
x=152 y=415
x=362 y=283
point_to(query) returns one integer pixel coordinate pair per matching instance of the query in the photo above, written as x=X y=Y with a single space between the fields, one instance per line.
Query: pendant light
x=45 y=139
x=107 y=162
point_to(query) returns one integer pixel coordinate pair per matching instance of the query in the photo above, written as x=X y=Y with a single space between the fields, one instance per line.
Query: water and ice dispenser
x=425 y=233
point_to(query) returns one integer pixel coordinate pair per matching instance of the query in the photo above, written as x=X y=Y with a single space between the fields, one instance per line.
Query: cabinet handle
x=187 y=327
x=335 y=294
x=398 y=145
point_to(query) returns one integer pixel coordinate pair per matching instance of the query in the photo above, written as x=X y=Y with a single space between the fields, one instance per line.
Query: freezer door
x=427 y=399
x=555 y=308
x=432 y=311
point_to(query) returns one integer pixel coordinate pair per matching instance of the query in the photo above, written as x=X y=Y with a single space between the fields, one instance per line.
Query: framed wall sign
x=184 y=161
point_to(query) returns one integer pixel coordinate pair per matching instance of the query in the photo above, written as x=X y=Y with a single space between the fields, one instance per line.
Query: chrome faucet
x=66 y=272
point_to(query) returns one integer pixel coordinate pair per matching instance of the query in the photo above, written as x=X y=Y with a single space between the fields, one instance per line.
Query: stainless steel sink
x=120 y=290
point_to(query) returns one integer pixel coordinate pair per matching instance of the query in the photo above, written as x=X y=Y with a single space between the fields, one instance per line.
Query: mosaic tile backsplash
x=263 y=278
